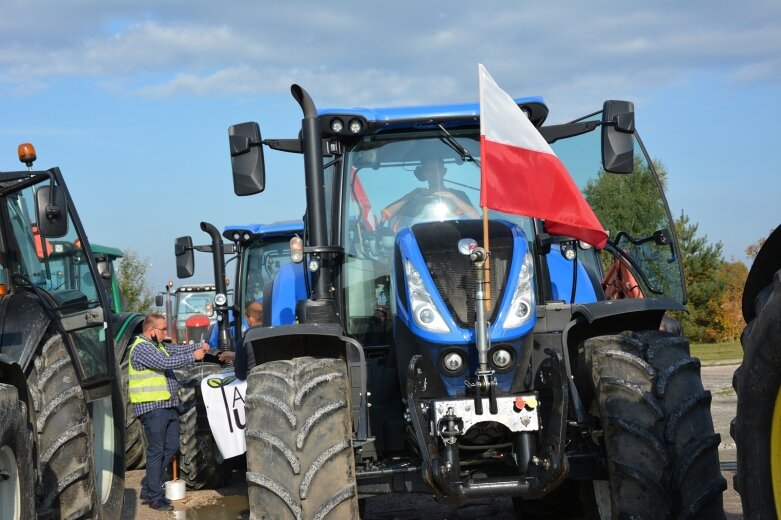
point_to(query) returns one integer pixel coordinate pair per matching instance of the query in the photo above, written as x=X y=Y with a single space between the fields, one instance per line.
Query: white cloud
x=383 y=53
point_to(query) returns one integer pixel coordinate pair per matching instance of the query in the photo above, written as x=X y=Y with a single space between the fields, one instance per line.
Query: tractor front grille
x=454 y=275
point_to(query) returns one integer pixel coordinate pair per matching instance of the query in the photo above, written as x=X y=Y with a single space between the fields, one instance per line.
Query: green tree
x=633 y=204
x=701 y=264
x=131 y=276
x=618 y=200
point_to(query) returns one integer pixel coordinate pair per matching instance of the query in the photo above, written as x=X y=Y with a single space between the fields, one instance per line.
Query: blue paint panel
x=283 y=307
x=290 y=227
x=408 y=248
x=561 y=279
x=397 y=114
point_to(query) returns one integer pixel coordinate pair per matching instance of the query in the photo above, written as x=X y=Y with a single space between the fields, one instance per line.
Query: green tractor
x=757 y=425
x=62 y=431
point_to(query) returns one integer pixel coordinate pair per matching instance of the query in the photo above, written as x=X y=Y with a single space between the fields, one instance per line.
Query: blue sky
x=132 y=99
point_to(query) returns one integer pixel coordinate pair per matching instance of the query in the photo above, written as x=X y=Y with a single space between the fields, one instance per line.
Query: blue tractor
x=262 y=253
x=427 y=358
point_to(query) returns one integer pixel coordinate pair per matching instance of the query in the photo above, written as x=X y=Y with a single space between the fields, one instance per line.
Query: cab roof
x=396 y=116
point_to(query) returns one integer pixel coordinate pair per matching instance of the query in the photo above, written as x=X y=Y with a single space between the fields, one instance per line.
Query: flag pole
x=487 y=270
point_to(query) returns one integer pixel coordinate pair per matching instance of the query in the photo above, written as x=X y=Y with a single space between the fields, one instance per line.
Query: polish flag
x=522 y=175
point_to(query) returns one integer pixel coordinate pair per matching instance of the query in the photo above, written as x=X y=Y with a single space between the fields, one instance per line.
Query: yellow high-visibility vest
x=145 y=386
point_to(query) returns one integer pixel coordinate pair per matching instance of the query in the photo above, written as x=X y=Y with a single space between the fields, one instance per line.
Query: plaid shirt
x=146 y=355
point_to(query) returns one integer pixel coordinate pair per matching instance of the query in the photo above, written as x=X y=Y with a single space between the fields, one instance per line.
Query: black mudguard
x=765 y=265
x=319 y=341
x=126 y=326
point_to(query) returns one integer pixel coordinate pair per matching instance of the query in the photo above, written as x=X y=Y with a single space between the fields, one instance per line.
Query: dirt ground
x=230 y=502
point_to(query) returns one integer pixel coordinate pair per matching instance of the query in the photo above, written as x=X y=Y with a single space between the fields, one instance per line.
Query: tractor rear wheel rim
x=10 y=493
x=775 y=453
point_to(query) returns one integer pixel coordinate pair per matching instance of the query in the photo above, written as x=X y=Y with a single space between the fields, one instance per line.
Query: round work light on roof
x=337 y=125
x=356 y=126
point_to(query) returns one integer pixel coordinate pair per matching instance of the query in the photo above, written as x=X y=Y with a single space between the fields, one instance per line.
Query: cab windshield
x=58 y=266
x=189 y=304
x=394 y=181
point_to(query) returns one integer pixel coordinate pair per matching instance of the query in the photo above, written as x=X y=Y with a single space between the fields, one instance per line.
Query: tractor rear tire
x=300 y=461
x=200 y=463
x=17 y=471
x=63 y=435
x=661 y=449
x=135 y=440
x=757 y=425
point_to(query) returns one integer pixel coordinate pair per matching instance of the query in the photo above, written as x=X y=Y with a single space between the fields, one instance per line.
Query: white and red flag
x=522 y=175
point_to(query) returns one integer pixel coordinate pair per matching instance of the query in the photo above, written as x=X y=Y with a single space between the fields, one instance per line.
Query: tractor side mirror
x=51 y=211
x=618 y=128
x=159 y=300
x=185 y=260
x=249 y=174
x=104 y=267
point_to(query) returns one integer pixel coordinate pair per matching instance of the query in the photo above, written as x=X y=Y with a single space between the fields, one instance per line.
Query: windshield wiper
x=451 y=141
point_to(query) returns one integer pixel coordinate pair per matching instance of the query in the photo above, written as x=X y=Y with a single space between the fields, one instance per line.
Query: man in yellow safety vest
x=153 y=389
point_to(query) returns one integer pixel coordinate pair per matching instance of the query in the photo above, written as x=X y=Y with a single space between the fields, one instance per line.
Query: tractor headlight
x=424 y=312
x=501 y=358
x=453 y=361
x=522 y=304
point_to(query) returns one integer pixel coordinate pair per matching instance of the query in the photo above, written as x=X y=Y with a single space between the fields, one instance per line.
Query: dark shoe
x=145 y=500
x=161 y=504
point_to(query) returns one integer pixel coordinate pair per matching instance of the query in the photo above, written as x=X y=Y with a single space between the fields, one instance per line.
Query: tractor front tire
x=17 y=471
x=757 y=425
x=300 y=461
x=200 y=462
x=657 y=430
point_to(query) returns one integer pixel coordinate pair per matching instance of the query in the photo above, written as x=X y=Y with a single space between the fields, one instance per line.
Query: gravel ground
x=230 y=502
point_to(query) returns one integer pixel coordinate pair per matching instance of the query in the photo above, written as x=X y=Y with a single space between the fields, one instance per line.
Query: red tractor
x=190 y=313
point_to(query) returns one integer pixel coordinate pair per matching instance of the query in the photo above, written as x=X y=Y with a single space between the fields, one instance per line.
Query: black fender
x=23 y=324
x=614 y=316
x=320 y=341
x=126 y=325
x=767 y=262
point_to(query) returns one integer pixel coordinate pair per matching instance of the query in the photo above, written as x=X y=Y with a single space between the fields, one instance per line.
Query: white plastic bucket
x=175 y=489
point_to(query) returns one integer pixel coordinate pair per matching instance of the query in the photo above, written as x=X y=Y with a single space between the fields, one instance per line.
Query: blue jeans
x=161 y=427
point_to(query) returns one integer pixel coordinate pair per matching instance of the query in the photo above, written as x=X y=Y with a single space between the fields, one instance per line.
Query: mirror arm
x=553 y=133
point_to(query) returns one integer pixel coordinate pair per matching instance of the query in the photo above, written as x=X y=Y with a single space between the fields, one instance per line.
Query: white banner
x=223 y=395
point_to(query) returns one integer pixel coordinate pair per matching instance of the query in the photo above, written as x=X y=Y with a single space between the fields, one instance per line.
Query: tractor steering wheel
x=425 y=208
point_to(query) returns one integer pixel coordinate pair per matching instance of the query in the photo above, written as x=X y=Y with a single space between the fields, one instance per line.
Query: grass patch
x=728 y=351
